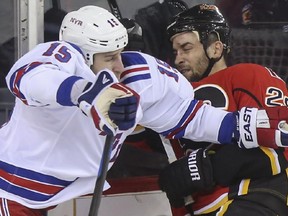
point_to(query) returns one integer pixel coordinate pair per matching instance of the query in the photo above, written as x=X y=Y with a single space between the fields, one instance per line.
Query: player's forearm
x=232 y=164
x=211 y=125
x=50 y=87
x=249 y=128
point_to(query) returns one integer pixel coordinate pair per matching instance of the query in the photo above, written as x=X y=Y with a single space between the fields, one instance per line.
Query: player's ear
x=215 y=50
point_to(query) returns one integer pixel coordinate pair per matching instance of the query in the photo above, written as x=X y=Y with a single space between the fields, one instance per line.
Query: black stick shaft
x=96 y=199
x=115 y=9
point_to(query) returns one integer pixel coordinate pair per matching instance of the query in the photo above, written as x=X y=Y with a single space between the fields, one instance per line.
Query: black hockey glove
x=185 y=176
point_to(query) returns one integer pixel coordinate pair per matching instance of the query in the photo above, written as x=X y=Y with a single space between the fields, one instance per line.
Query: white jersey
x=50 y=151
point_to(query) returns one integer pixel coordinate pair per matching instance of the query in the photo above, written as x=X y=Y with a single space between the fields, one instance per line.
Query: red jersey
x=231 y=89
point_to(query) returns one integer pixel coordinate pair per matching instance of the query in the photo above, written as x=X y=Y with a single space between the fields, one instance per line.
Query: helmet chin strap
x=211 y=63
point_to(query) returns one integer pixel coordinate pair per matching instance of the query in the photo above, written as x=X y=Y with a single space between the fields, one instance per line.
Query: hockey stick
x=97 y=194
x=115 y=9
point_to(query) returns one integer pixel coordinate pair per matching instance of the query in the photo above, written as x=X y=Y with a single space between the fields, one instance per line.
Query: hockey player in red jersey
x=234 y=181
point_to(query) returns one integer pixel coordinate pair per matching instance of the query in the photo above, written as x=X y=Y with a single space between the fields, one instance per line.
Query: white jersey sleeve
x=168 y=104
x=45 y=76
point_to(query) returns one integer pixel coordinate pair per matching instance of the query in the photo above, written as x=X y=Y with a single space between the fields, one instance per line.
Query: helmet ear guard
x=94 y=30
x=203 y=18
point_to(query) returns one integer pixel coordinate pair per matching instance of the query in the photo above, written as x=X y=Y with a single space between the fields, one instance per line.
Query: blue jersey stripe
x=226 y=131
x=136 y=78
x=32 y=175
x=181 y=126
x=63 y=96
x=23 y=192
x=132 y=58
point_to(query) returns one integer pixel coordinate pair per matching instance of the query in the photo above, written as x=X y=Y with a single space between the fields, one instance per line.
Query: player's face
x=190 y=58
x=109 y=60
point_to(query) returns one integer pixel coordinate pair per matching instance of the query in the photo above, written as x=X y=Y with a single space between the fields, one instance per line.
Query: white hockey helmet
x=94 y=30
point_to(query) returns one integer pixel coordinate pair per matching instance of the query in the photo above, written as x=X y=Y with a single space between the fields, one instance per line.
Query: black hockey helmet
x=203 y=18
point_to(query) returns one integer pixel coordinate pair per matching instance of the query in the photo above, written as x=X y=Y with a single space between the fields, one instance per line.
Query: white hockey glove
x=110 y=104
x=267 y=127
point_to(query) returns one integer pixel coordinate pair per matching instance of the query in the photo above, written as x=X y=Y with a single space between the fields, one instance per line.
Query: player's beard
x=194 y=73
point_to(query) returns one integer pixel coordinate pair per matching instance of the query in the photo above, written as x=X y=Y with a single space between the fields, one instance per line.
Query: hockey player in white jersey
x=68 y=99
